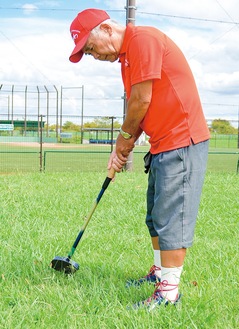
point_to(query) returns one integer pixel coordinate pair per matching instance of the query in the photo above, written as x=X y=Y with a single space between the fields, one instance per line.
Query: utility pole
x=130 y=18
x=130 y=11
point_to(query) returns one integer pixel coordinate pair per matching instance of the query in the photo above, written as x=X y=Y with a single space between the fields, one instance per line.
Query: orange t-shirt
x=175 y=117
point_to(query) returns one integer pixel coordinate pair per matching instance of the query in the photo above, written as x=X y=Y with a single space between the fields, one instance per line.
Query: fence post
x=44 y=161
x=112 y=133
x=41 y=139
x=82 y=113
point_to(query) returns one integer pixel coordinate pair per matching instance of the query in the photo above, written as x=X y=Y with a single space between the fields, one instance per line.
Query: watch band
x=125 y=134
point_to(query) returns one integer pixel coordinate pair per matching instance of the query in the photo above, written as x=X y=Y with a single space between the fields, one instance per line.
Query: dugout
x=21 y=127
x=100 y=135
x=24 y=124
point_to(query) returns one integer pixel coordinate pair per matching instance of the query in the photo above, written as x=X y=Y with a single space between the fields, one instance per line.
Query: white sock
x=170 y=278
x=157 y=262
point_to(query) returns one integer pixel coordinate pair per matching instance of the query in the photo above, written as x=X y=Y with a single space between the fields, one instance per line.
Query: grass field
x=40 y=217
x=20 y=158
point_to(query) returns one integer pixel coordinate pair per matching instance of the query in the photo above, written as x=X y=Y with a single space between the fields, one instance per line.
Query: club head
x=64 y=264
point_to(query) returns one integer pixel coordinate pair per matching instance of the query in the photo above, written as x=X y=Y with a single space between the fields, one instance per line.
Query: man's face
x=101 y=47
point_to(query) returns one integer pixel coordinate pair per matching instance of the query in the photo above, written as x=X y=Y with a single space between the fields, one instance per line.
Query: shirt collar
x=128 y=33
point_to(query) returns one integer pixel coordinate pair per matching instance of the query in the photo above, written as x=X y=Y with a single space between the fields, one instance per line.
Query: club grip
x=111 y=173
x=110 y=176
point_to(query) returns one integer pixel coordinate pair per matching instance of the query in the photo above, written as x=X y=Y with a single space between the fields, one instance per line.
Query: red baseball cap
x=81 y=27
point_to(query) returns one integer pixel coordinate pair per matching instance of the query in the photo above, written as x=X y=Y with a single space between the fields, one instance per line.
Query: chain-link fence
x=82 y=145
x=37 y=135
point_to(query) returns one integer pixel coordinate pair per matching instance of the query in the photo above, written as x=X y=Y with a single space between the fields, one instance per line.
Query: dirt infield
x=35 y=144
x=45 y=145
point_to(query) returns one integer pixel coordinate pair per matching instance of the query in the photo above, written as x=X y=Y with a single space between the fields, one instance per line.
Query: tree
x=104 y=122
x=223 y=127
x=70 y=126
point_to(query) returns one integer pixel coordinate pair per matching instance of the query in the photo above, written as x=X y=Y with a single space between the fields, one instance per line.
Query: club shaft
x=77 y=240
x=104 y=187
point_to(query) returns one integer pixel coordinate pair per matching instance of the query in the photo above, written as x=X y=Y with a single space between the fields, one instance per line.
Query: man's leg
x=157 y=256
x=174 y=190
x=171 y=264
x=173 y=258
x=171 y=269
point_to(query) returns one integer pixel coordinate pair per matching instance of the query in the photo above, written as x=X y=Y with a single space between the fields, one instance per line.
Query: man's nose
x=95 y=55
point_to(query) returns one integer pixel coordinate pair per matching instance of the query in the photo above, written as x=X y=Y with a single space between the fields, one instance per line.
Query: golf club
x=66 y=264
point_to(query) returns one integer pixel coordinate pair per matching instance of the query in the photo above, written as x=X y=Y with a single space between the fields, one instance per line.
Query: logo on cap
x=75 y=34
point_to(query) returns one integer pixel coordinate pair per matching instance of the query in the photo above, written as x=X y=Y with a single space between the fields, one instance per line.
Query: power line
x=212 y=42
x=190 y=18
x=219 y=4
x=232 y=22
x=218 y=104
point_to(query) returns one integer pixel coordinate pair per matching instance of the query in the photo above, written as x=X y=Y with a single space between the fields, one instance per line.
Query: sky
x=35 y=45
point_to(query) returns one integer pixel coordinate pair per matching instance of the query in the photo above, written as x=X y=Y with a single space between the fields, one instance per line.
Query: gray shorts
x=174 y=189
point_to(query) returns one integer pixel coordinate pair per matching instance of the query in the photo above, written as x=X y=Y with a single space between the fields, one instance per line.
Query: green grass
x=225 y=141
x=40 y=217
x=220 y=161
x=89 y=158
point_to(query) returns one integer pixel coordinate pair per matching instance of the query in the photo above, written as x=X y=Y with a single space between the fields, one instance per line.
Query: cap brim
x=77 y=53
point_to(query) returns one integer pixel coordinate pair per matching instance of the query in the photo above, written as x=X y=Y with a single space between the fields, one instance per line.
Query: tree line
x=218 y=126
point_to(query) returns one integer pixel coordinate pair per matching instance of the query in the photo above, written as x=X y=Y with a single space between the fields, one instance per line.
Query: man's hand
x=119 y=156
x=124 y=147
x=115 y=163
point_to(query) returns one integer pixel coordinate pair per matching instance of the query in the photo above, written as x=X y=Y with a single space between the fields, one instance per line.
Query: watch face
x=125 y=134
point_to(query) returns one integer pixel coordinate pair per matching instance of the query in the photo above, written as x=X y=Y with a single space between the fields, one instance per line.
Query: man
x=162 y=101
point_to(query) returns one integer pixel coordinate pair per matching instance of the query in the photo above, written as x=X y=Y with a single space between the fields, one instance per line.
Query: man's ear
x=106 y=28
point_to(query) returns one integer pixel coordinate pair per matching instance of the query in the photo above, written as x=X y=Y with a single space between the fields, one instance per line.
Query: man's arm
x=137 y=107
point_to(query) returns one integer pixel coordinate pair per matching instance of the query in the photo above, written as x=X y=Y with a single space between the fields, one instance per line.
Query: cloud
x=29 y=8
x=35 y=51
x=223 y=83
